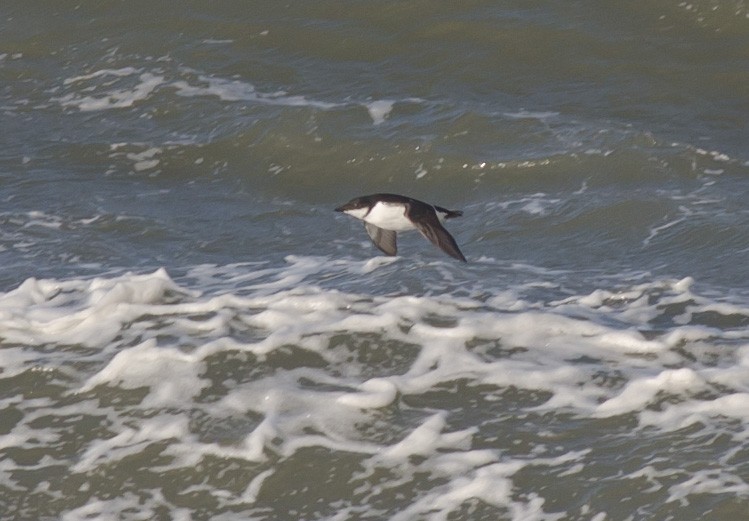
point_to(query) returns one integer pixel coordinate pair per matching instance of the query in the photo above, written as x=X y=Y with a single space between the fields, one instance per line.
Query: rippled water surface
x=188 y=331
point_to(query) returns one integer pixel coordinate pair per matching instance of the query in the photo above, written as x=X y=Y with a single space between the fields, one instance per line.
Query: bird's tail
x=449 y=214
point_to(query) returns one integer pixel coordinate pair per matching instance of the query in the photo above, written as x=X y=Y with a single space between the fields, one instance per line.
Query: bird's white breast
x=389 y=217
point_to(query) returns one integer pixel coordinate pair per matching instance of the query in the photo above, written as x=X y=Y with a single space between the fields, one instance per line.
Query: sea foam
x=433 y=400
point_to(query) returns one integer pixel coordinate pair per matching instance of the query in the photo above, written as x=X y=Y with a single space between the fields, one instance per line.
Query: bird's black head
x=355 y=204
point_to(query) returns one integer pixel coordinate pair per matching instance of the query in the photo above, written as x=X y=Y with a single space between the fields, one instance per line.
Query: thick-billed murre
x=386 y=214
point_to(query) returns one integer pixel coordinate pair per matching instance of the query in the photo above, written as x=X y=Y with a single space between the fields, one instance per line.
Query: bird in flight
x=386 y=214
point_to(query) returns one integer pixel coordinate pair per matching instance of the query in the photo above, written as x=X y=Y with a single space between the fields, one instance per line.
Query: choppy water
x=189 y=332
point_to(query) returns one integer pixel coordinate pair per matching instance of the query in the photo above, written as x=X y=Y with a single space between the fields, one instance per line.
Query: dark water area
x=188 y=330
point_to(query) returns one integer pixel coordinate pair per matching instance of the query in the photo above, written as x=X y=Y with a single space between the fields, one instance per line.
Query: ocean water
x=189 y=332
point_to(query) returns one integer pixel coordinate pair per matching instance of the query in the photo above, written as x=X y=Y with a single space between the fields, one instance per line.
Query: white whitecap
x=114 y=99
x=374 y=393
x=379 y=110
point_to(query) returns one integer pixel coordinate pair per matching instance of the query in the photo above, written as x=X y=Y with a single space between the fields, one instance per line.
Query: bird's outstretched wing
x=429 y=226
x=383 y=239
